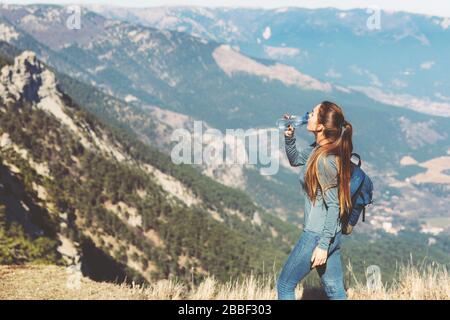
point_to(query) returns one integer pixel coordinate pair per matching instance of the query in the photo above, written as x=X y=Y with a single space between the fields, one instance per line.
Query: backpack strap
x=364 y=214
x=357 y=156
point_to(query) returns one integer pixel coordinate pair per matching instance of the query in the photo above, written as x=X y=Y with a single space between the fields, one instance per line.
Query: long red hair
x=339 y=132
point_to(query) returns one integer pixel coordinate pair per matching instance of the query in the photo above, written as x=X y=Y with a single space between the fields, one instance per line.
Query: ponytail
x=345 y=150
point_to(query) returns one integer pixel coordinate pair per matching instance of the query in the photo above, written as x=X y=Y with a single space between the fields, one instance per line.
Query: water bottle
x=294 y=120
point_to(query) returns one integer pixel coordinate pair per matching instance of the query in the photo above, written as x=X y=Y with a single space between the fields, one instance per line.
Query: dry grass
x=430 y=282
x=50 y=282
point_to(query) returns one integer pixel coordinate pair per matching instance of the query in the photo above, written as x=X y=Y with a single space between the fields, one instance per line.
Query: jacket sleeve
x=296 y=157
x=328 y=178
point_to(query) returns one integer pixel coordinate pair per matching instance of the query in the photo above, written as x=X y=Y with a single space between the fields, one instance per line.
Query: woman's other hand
x=319 y=257
x=290 y=130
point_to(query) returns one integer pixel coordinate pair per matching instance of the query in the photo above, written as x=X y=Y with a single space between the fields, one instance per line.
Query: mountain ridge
x=78 y=165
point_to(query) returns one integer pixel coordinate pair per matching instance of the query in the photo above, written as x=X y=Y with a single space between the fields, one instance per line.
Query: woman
x=325 y=169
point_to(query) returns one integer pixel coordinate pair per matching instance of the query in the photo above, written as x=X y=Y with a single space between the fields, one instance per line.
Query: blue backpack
x=361 y=189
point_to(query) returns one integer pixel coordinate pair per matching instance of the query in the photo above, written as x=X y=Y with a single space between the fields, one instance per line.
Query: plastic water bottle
x=294 y=120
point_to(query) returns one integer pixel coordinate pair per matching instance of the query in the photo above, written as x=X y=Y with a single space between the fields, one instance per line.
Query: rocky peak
x=26 y=79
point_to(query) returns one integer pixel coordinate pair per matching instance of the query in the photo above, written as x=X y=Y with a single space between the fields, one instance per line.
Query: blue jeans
x=298 y=265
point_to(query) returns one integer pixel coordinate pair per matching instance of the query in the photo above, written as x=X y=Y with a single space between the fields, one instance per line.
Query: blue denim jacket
x=320 y=218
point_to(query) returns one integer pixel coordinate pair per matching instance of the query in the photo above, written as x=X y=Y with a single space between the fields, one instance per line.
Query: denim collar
x=314 y=144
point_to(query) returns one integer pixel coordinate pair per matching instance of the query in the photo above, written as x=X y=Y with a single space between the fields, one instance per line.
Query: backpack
x=361 y=189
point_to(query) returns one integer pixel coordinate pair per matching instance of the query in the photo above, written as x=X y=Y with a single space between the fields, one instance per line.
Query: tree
x=2 y=217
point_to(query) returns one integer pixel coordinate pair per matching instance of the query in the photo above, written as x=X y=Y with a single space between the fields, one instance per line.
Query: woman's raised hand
x=290 y=130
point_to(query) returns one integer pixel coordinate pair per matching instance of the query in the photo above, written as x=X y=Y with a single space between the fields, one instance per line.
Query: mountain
x=107 y=201
x=149 y=82
x=145 y=130
x=170 y=76
x=344 y=47
x=79 y=190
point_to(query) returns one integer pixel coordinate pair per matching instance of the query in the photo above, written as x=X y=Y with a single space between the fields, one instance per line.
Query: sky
x=430 y=7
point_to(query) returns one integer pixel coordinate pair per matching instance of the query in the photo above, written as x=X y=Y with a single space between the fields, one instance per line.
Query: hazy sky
x=433 y=7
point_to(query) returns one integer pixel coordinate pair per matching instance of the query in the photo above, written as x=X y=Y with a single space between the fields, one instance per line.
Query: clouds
x=372 y=77
x=267 y=33
x=445 y=23
x=399 y=83
x=331 y=73
x=280 y=52
x=427 y=65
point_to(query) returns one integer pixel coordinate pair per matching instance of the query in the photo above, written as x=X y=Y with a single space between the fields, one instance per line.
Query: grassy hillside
x=27 y=282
